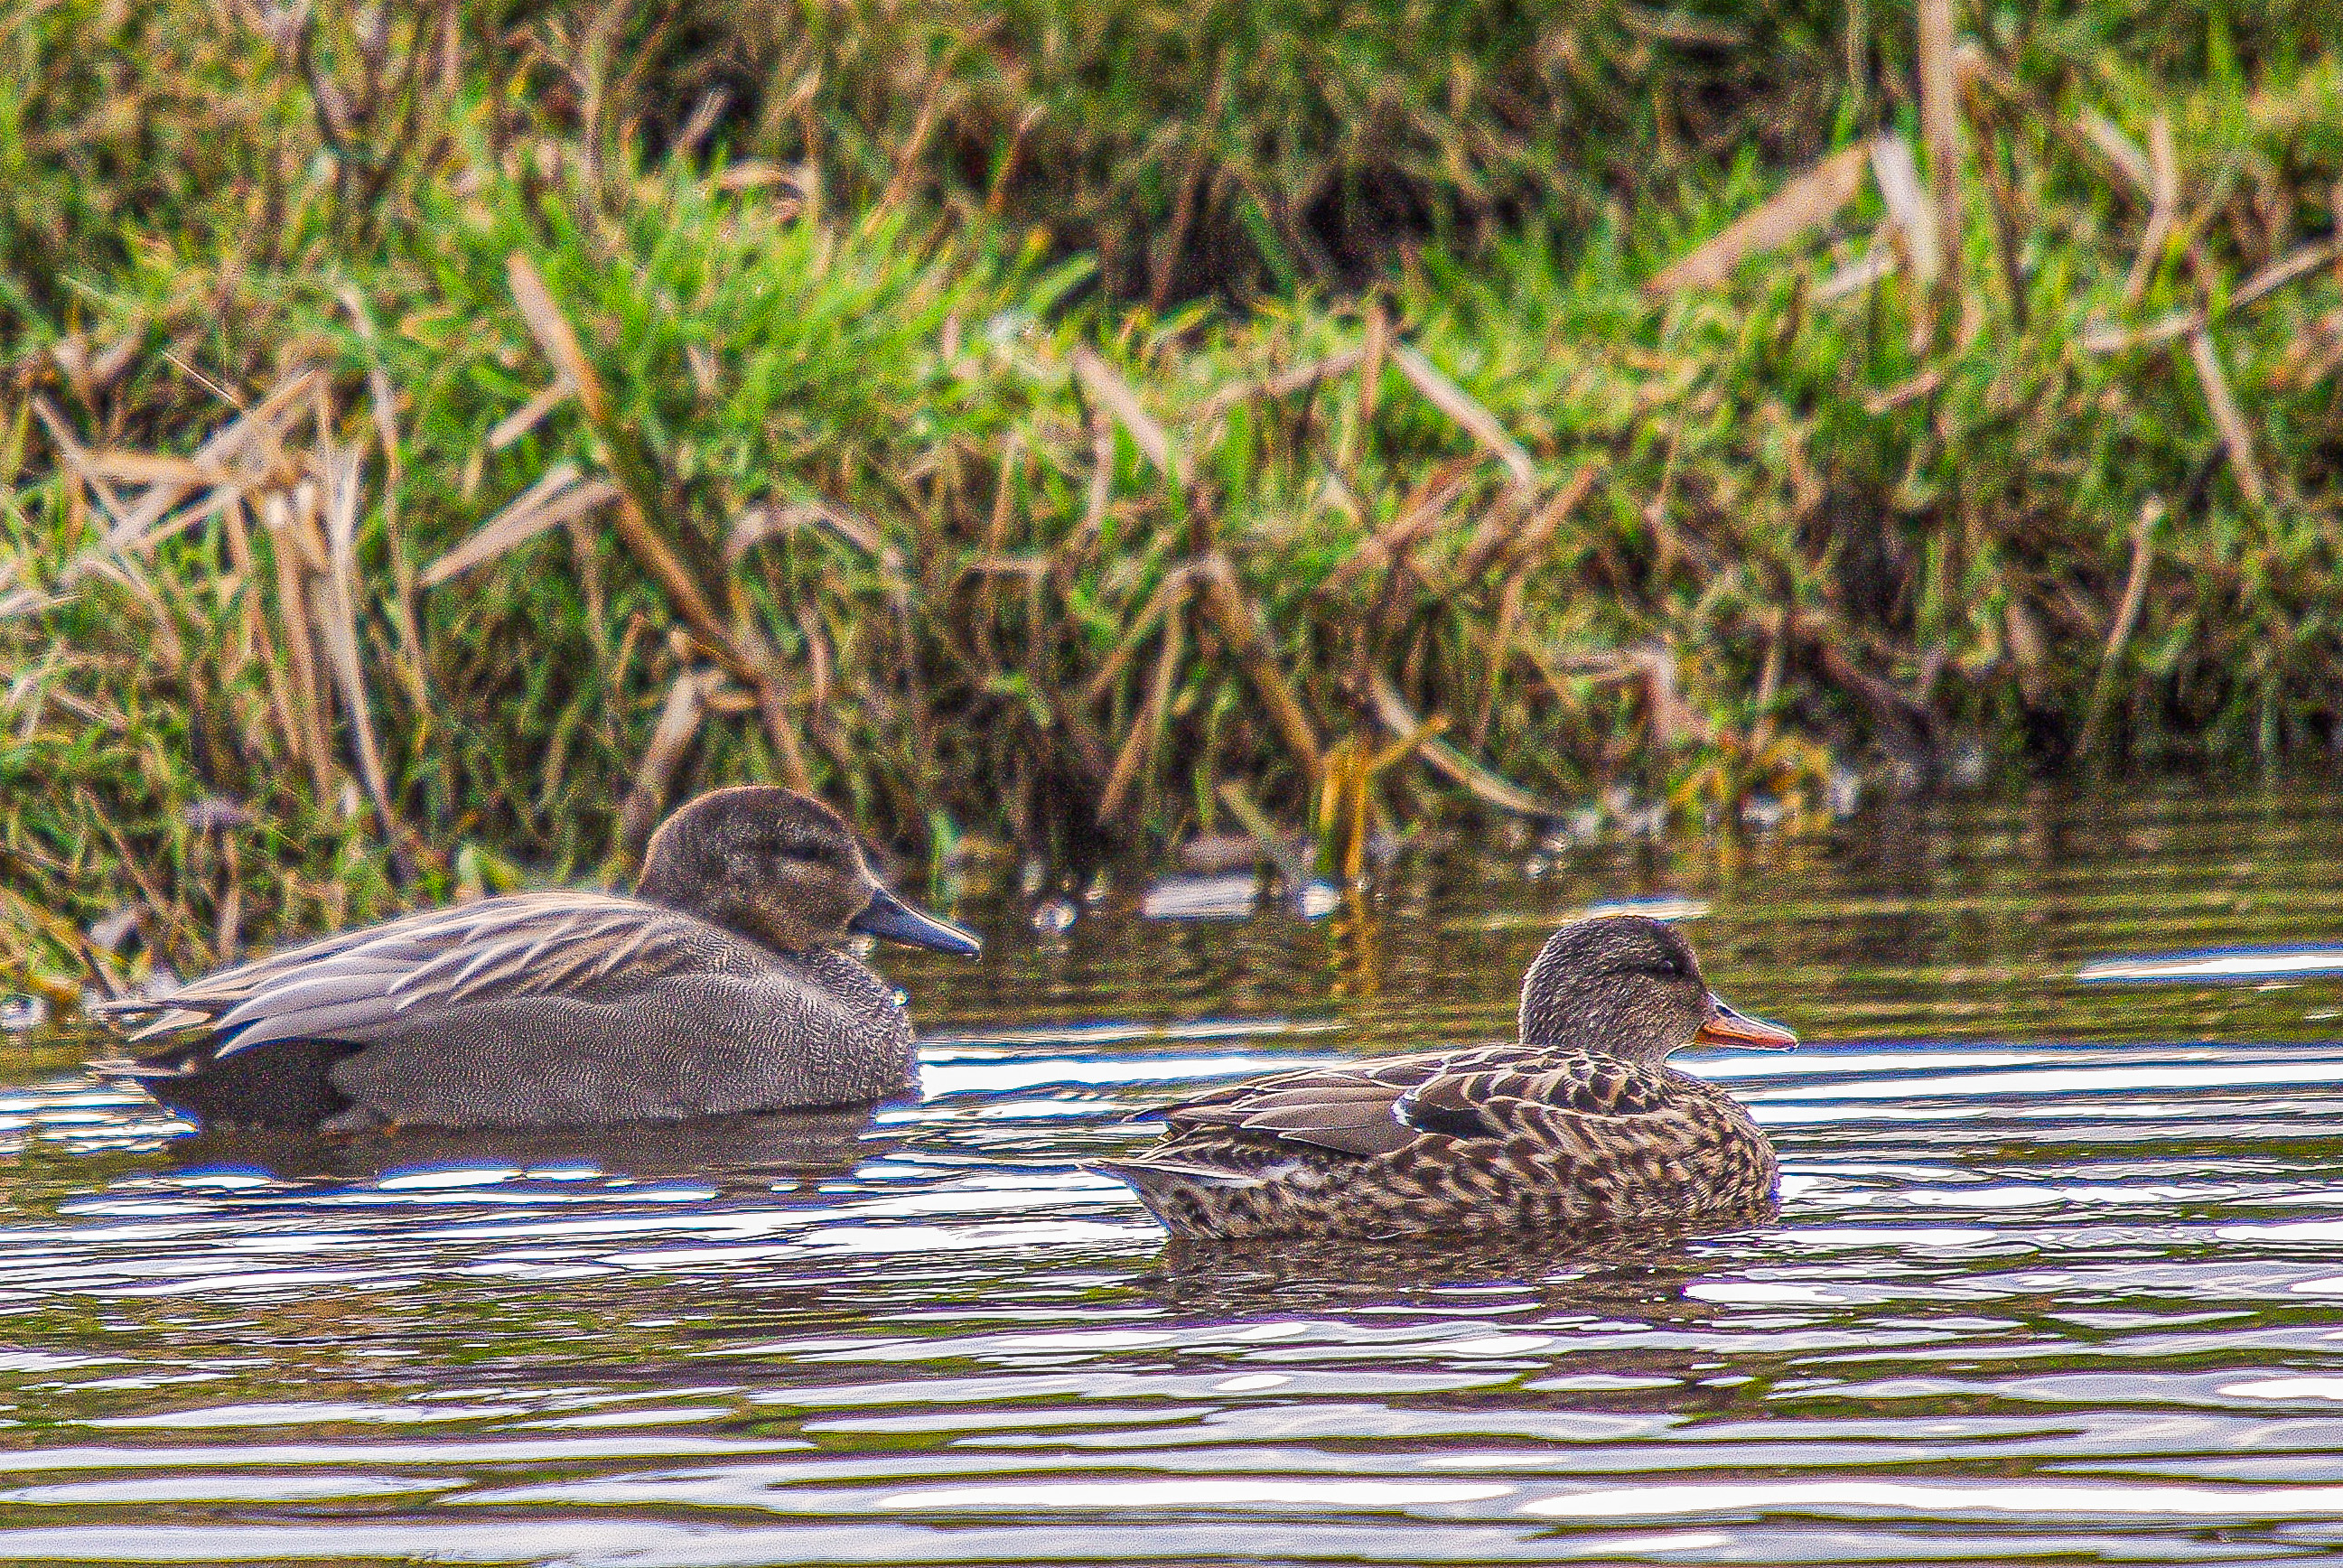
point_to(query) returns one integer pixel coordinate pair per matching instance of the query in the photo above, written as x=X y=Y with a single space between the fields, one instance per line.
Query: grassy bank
x=431 y=445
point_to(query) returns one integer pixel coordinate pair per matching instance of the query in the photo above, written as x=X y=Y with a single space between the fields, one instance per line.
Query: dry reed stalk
x=165 y=650
x=1504 y=519
x=671 y=736
x=25 y=601
x=1830 y=638
x=907 y=157
x=207 y=505
x=586 y=558
x=2005 y=219
x=272 y=666
x=1007 y=470
x=1146 y=734
x=1859 y=273
x=1091 y=754
x=2163 y=329
x=1911 y=213
x=21 y=914
x=1806 y=203
x=2300 y=262
x=2124 y=155
x=1423 y=512
x=1077 y=544
x=1241 y=626
x=740 y=649
x=93 y=377
x=149 y=469
x=1269 y=389
x=173 y=912
x=258 y=421
x=820 y=661
x=2235 y=436
x=1349 y=809
x=2112 y=160
x=560 y=343
x=2135 y=596
x=2297 y=264
x=1533 y=539
x=1286 y=852
x=561 y=494
x=1373 y=354
x=1342 y=811
x=77 y=462
x=2163 y=213
x=1165 y=250
x=1393 y=712
x=760 y=524
x=772 y=709
x=228 y=925
x=1672 y=718
x=383 y=403
x=1500 y=655
x=338 y=474
x=293 y=617
x=1924 y=385
x=1940 y=127
x=531 y=414
x=1514 y=537
x=1778 y=659
x=1460 y=406
x=1172 y=590
x=1110 y=391
x=2029 y=649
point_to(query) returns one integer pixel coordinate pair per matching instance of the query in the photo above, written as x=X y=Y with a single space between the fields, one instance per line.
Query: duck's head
x=782 y=868
x=1627 y=985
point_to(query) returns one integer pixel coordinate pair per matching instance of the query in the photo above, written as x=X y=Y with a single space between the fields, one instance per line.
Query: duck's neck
x=761 y=920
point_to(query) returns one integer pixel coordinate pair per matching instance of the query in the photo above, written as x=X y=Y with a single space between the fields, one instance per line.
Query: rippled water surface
x=2058 y=1273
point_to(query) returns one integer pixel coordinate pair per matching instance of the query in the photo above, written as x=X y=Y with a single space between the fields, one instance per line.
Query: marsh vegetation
x=434 y=438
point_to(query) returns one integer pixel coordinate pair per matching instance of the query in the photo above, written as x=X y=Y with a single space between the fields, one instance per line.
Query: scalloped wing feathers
x=410 y=972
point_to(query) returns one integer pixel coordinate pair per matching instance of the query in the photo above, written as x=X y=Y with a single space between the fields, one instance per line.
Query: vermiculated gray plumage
x=565 y=1009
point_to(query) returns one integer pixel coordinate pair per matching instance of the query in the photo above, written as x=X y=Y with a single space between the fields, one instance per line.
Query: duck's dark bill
x=890 y=917
x=1726 y=1026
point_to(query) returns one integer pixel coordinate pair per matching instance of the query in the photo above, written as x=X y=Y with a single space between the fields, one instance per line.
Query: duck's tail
x=1174 y=1191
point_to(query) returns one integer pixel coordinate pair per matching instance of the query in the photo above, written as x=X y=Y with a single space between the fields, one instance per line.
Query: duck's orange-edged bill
x=1723 y=1026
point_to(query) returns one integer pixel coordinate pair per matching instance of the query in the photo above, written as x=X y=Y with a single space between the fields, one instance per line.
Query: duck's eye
x=1668 y=967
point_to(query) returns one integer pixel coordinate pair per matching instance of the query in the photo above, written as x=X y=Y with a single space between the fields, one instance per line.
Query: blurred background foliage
x=434 y=438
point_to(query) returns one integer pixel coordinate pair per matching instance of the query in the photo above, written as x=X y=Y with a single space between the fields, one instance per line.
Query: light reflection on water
x=2059 y=1272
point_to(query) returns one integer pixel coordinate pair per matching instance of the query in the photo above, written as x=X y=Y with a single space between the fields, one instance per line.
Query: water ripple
x=2055 y=1277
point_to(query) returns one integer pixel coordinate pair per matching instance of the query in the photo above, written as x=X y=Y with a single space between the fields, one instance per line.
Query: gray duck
x=718 y=989
x=1579 y=1123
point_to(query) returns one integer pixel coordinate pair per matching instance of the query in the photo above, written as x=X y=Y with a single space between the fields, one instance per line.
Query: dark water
x=2058 y=1274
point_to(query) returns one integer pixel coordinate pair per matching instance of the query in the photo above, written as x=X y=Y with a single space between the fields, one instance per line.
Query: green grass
x=871 y=391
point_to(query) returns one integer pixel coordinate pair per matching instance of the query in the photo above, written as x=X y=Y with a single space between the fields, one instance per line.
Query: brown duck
x=1579 y=1123
x=717 y=989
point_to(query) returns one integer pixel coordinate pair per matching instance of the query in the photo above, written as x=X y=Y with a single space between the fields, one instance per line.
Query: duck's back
x=543 y=1010
x=1507 y=1136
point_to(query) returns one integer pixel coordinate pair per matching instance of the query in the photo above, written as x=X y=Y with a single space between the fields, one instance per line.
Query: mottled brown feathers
x=1583 y=1126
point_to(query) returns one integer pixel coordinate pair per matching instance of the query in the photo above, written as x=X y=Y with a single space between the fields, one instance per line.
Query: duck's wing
x=1352 y=1109
x=363 y=984
x=1377 y=1107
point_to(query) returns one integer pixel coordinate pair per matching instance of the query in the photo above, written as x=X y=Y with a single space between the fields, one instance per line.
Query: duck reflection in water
x=744 y=1153
x=1642 y=1277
